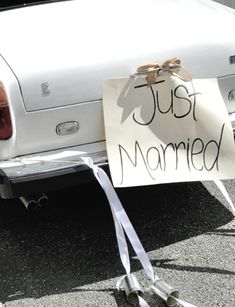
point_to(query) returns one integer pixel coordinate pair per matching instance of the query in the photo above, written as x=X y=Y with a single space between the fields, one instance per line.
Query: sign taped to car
x=168 y=131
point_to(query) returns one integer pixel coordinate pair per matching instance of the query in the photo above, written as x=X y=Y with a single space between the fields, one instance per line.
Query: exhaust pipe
x=42 y=200
x=32 y=202
x=29 y=202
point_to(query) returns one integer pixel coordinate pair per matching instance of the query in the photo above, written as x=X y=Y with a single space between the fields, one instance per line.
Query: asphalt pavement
x=67 y=255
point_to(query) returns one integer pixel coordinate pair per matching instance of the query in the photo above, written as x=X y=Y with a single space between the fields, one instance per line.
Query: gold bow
x=172 y=66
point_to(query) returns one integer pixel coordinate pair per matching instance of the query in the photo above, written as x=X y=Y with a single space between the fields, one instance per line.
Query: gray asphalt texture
x=66 y=254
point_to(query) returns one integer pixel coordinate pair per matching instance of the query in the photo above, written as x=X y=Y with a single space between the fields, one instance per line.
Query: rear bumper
x=53 y=170
x=49 y=171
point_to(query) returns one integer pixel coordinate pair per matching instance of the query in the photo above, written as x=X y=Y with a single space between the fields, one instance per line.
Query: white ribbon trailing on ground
x=142 y=302
x=223 y=190
x=121 y=222
x=122 y=219
x=183 y=303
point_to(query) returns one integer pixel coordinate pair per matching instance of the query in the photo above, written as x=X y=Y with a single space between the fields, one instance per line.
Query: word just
x=180 y=94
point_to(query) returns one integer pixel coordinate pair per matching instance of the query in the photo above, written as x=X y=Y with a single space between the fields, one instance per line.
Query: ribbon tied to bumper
x=172 y=66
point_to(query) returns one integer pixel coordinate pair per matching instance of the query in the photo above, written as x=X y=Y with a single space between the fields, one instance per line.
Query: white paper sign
x=169 y=132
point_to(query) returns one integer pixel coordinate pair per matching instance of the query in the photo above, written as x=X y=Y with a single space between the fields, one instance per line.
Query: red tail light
x=5 y=117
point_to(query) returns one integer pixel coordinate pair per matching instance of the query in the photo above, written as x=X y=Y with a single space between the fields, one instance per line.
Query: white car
x=53 y=58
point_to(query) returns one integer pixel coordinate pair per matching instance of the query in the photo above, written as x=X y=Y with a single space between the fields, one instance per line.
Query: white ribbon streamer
x=183 y=303
x=121 y=220
x=142 y=302
x=121 y=239
x=223 y=190
x=122 y=217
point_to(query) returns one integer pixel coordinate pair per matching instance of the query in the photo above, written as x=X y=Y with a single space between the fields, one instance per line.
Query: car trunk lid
x=60 y=60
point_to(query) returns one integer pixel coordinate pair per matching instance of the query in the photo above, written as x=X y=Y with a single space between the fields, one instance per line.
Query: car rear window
x=9 y=4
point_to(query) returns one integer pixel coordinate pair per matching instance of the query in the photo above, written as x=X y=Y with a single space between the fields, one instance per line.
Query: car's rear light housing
x=5 y=116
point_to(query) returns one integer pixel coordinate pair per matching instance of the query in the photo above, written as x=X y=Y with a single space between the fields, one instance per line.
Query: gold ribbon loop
x=172 y=66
